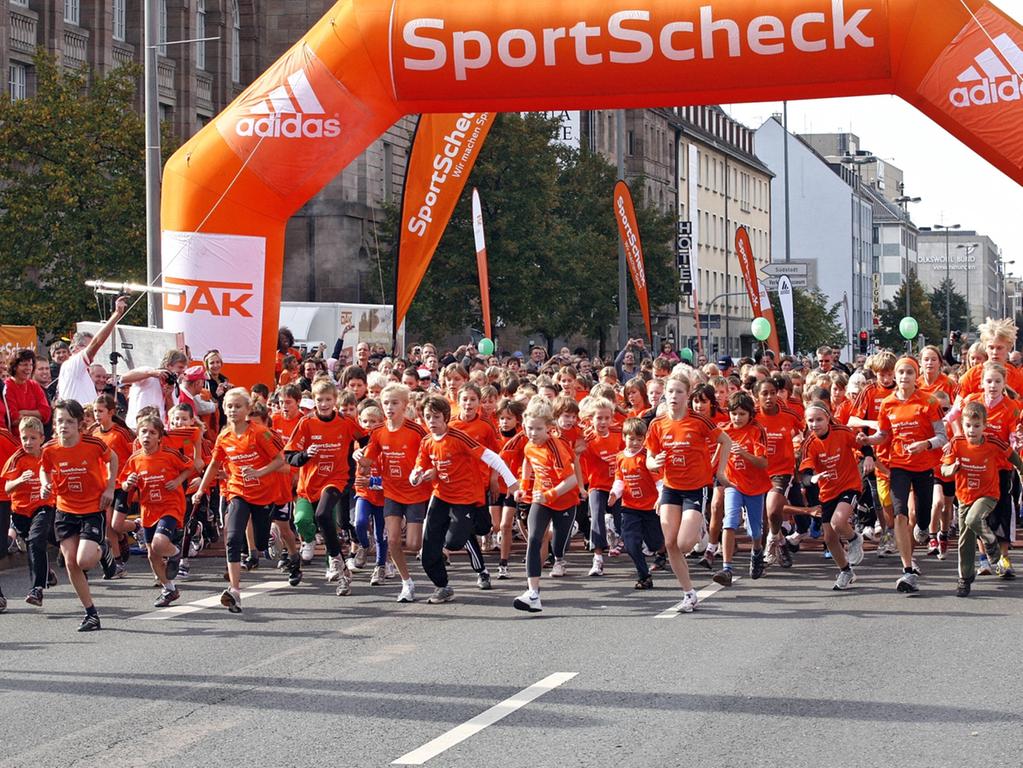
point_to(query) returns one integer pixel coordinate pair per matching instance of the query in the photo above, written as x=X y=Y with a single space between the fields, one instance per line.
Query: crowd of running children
x=666 y=466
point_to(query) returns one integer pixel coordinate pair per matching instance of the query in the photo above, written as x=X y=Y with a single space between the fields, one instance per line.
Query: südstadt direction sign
x=791 y=269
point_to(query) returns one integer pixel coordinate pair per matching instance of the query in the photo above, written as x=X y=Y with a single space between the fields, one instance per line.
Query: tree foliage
x=816 y=324
x=72 y=194
x=552 y=241
x=958 y=311
x=921 y=309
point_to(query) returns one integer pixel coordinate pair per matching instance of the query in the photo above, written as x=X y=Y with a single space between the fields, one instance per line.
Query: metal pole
x=153 y=160
x=948 y=291
x=785 y=125
x=623 y=299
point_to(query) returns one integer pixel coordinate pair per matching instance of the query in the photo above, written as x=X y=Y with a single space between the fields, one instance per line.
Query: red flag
x=758 y=299
x=628 y=230
x=443 y=153
x=481 y=261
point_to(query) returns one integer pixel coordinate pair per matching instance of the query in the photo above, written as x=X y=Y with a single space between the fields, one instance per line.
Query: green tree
x=72 y=194
x=552 y=241
x=887 y=332
x=957 y=307
x=816 y=324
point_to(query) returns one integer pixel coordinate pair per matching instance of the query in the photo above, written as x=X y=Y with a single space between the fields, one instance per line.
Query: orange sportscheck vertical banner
x=628 y=230
x=443 y=153
x=758 y=299
x=481 y=261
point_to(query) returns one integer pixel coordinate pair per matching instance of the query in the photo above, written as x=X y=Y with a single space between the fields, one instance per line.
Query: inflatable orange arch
x=230 y=190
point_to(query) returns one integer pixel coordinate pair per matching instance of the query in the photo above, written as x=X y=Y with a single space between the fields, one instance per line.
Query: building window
x=161 y=36
x=119 y=20
x=628 y=136
x=23 y=3
x=72 y=11
x=236 y=42
x=200 y=32
x=17 y=77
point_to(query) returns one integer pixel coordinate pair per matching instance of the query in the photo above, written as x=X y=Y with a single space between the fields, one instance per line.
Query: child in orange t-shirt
x=636 y=487
x=598 y=465
x=974 y=461
x=749 y=482
x=79 y=471
x=549 y=470
x=448 y=459
x=156 y=476
x=31 y=514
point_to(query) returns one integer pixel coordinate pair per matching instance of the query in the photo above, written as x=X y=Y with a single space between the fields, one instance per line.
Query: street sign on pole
x=794 y=281
x=790 y=269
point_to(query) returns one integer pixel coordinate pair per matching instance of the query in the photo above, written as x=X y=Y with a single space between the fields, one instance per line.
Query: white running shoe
x=854 y=550
x=845 y=578
x=689 y=602
x=377 y=578
x=344 y=584
x=528 y=601
x=919 y=535
x=359 y=559
x=335 y=569
x=597 y=569
x=390 y=572
x=887 y=547
x=502 y=572
x=307 y=552
x=408 y=592
x=870 y=534
x=559 y=569
x=771 y=550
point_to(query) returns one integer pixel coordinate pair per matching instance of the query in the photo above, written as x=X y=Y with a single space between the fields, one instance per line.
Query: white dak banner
x=222 y=304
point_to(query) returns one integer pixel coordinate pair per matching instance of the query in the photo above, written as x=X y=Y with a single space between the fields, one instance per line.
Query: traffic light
x=864 y=338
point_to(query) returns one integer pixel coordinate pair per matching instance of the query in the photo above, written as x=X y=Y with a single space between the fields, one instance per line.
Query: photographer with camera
x=154 y=386
x=628 y=361
x=75 y=380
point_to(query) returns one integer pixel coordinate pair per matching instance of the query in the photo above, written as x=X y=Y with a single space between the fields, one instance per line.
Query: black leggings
x=540 y=517
x=327 y=522
x=922 y=484
x=239 y=511
x=447 y=526
x=35 y=531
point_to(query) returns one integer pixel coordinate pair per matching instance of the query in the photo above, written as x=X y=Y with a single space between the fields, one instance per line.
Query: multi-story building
x=895 y=247
x=699 y=164
x=331 y=245
x=825 y=222
x=972 y=262
x=878 y=174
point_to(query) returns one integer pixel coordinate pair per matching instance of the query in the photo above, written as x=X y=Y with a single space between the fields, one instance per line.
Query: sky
x=955 y=185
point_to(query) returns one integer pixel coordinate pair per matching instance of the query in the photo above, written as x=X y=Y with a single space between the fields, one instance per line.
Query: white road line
x=209 y=602
x=702 y=595
x=471 y=727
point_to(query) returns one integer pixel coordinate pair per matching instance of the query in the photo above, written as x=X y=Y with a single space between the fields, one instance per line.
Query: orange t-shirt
x=867 y=406
x=9 y=445
x=842 y=411
x=513 y=454
x=977 y=476
x=639 y=489
x=796 y=406
x=78 y=474
x=26 y=498
x=284 y=426
x=154 y=471
x=483 y=432
x=329 y=468
x=834 y=458
x=749 y=480
x=1002 y=418
x=119 y=440
x=688 y=443
x=780 y=427
x=454 y=457
x=908 y=421
x=600 y=458
x=256 y=447
x=184 y=440
x=396 y=454
x=552 y=463
x=970 y=382
x=941 y=384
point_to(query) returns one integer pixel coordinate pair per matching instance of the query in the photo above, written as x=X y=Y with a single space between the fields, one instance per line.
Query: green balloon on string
x=686 y=354
x=761 y=328
x=486 y=346
x=909 y=328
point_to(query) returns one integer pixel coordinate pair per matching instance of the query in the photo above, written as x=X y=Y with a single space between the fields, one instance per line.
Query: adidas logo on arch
x=995 y=76
x=289 y=112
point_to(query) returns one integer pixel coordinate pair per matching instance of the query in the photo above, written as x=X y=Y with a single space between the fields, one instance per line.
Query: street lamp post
x=948 y=276
x=969 y=248
x=903 y=202
x=1001 y=280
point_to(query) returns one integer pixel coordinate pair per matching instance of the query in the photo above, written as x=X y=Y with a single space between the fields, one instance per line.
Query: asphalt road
x=778 y=672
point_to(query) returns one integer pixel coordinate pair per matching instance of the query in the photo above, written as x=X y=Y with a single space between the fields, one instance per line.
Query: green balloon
x=486 y=346
x=686 y=354
x=761 y=328
x=909 y=328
